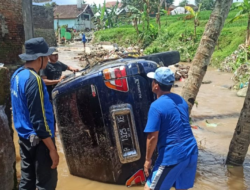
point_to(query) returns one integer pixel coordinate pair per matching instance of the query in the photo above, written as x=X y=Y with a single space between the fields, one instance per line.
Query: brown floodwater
x=216 y=104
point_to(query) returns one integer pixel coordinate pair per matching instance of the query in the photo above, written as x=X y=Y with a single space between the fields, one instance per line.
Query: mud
x=216 y=104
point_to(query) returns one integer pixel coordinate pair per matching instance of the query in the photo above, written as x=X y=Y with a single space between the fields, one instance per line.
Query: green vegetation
x=177 y=33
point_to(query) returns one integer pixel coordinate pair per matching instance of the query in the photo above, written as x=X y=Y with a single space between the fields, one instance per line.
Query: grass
x=177 y=35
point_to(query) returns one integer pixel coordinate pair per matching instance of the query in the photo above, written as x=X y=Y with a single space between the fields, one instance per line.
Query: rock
x=7 y=153
x=7 y=149
x=242 y=92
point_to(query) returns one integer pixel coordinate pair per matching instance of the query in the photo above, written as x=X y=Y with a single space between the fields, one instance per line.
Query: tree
x=136 y=15
x=206 y=4
x=135 y=3
x=244 y=12
x=240 y=142
x=183 y=3
x=205 y=51
x=94 y=8
x=53 y=4
x=168 y=3
x=111 y=15
x=195 y=16
x=158 y=16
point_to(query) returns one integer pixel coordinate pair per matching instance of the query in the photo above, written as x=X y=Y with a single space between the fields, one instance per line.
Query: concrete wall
x=27 y=19
x=78 y=24
x=43 y=22
x=11 y=31
x=70 y=22
x=43 y=17
x=81 y=23
x=47 y=34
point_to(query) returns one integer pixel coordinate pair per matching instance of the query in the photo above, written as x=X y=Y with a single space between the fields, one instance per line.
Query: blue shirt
x=32 y=110
x=169 y=115
x=83 y=38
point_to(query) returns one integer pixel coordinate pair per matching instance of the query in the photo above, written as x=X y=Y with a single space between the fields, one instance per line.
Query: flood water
x=216 y=104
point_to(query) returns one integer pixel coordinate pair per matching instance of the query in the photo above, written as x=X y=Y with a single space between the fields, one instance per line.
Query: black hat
x=36 y=47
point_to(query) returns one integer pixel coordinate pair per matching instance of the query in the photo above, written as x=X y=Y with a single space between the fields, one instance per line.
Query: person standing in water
x=34 y=119
x=84 y=41
x=168 y=128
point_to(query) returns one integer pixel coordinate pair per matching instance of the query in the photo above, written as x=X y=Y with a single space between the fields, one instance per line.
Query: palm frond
x=190 y=9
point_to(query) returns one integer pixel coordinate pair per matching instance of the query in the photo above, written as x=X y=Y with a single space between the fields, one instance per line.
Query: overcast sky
x=68 y=2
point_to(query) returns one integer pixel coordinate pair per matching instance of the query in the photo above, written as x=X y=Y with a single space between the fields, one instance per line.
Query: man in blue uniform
x=168 y=128
x=34 y=120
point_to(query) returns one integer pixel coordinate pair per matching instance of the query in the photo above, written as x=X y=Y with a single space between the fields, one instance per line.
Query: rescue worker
x=168 y=127
x=52 y=74
x=33 y=119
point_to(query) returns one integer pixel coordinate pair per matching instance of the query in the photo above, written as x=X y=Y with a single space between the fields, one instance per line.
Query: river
x=216 y=104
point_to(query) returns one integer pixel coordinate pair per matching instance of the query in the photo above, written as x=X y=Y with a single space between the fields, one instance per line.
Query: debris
x=196 y=103
x=242 y=92
x=229 y=62
x=99 y=54
x=226 y=86
x=242 y=72
x=181 y=72
x=194 y=127
x=211 y=124
x=207 y=82
x=182 y=79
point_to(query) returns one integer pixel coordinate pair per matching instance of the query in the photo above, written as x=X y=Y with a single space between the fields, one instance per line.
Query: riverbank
x=216 y=104
x=178 y=34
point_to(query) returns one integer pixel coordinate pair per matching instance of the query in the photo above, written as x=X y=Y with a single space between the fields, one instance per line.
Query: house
x=112 y=4
x=170 y=8
x=75 y=16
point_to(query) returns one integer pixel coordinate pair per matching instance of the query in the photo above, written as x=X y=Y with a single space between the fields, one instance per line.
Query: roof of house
x=69 y=11
x=193 y=6
x=172 y=6
x=112 y=4
x=41 y=1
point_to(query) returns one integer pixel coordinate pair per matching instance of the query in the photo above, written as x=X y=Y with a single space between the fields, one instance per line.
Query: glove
x=34 y=140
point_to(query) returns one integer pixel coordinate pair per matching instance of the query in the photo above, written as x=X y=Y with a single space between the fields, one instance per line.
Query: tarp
x=178 y=11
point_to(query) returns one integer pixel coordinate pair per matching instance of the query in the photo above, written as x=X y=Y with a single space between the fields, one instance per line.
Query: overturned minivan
x=101 y=113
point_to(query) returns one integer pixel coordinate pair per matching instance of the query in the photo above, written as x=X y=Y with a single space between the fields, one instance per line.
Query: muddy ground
x=216 y=104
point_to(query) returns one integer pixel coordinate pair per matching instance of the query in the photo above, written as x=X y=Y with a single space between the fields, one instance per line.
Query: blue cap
x=163 y=75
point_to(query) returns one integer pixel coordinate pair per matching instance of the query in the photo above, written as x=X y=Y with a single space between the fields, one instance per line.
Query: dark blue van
x=101 y=113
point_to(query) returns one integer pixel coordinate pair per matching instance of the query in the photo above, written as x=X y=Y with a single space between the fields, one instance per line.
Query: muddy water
x=216 y=104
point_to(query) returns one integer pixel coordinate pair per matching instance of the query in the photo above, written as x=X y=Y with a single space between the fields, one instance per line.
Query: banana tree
x=158 y=16
x=244 y=12
x=111 y=15
x=102 y=10
x=146 y=12
x=99 y=17
x=195 y=16
x=135 y=16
